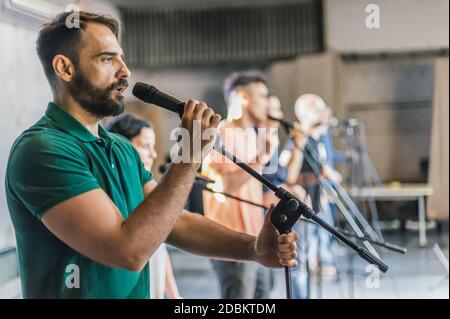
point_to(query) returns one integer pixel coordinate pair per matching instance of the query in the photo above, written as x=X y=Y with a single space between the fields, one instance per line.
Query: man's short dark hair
x=56 y=37
x=240 y=79
x=128 y=125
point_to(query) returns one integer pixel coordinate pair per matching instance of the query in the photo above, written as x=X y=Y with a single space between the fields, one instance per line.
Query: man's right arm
x=91 y=224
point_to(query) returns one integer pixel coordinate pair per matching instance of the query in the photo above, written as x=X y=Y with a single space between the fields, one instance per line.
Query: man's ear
x=63 y=67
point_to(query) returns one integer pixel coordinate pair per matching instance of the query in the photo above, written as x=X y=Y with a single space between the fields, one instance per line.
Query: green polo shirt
x=56 y=159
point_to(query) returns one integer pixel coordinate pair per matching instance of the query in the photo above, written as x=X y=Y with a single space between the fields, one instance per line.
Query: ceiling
x=200 y=3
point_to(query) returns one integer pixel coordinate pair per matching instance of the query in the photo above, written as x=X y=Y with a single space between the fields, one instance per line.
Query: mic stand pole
x=289 y=208
x=288 y=211
x=386 y=245
x=288 y=127
x=202 y=183
x=314 y=166
x=234 y=197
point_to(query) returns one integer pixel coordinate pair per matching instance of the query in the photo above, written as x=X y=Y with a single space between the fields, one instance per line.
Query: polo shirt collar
x=70 y=125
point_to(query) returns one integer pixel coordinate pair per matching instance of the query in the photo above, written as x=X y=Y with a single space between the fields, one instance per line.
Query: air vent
x=155 y=37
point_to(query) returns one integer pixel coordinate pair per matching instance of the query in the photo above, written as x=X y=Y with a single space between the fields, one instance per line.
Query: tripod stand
x=289 y=208
x=336 y=189
x=361 y=171
x=444 y=261
x=202 y=182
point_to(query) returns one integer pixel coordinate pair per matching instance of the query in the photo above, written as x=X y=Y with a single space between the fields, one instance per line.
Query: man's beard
x=94 y=100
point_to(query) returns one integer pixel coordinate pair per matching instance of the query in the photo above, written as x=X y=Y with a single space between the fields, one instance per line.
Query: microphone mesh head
x=144 y=91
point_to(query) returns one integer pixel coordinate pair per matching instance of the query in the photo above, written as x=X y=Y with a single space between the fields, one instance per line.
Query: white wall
x=404 y=25
x=24 y=96
x=24 y=88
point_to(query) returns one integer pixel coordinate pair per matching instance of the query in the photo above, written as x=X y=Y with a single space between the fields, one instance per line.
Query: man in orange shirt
x=247 y=98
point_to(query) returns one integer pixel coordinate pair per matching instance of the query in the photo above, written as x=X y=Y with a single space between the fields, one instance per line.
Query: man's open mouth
x=120 y=89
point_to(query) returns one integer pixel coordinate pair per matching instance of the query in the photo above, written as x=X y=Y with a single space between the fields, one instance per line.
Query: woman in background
x=142 y=137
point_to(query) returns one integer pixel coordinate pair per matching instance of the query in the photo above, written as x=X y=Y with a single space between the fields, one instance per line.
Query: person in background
x=314 y=247
x=142 y=137
x=246 y=94
x=278 y=168
x=331 y=156
x=281 y=166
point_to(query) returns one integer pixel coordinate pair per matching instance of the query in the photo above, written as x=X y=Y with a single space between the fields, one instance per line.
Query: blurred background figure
x=142 y=136
x=311 y=112
x=247 y=96
x=315 y=244
x=278 y=169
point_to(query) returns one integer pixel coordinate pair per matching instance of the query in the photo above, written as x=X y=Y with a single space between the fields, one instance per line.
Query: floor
x=417 y=274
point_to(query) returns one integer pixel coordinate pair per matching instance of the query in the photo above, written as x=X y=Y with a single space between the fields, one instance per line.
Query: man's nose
x=123 y=72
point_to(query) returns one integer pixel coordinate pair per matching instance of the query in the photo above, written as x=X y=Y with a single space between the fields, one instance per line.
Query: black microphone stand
x=401 y=250
x=330 y=189
x=288 y=211
x=288 y=127
x=289 y=208
x=203 y=184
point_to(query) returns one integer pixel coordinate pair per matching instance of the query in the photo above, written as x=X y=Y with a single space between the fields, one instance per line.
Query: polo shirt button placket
x=100 y=142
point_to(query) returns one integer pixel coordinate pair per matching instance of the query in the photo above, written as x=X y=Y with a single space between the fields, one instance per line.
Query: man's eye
x=107 y=59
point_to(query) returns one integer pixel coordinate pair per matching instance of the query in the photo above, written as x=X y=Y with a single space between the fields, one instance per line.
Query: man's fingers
x=289 y=263
x=287 y=238
x=199 y=110
x=189 y=107
x=285 y=248
x=188 y=112
x=287 y=255
x=207 y=116
x=215 y=120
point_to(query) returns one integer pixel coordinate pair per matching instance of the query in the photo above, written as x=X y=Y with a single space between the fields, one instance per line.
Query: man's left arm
x=199 y=235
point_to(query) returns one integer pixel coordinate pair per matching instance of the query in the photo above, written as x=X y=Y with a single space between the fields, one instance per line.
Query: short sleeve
x=43 y=172
x=145 y=175
x=289 y=146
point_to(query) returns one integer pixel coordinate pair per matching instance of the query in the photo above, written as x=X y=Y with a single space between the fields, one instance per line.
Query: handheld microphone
x=163 y=168
x=150 y=94
x=288 y=126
